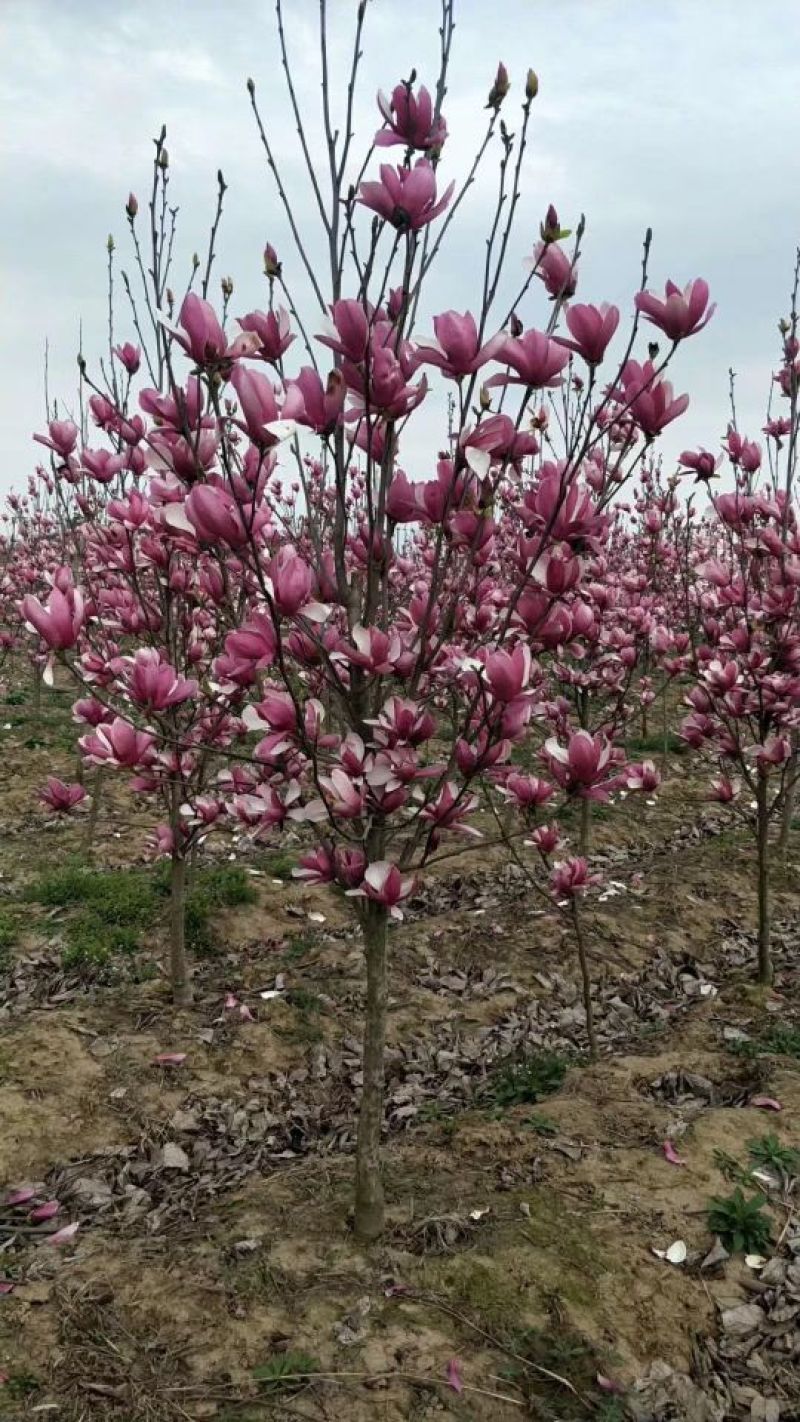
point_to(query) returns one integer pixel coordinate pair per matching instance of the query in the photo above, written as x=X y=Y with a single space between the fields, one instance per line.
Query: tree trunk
x=36 y=699
x=762 y=824
x=789 y=800
x=585 y=830
x=369 y=1184
x=94 y=810
x=178 y=965
x=586 y=981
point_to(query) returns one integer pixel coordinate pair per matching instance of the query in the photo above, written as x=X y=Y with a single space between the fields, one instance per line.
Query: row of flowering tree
x=274 y=621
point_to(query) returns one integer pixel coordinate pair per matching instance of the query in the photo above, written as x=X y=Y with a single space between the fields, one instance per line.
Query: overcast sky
x=680 y=114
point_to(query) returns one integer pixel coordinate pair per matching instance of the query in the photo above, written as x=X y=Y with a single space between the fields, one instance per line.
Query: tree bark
x=586 y=980
x=764 y=927
x=369 y=1206
x=178 y=965
x=585 y=830
x=94 y=810
x=789 y=800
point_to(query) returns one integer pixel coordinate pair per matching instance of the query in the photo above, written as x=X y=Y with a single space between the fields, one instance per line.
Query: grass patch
x=111 y=911
x=523 y=1083
x=656 y=744
x=779 y=1039
x=9 y=933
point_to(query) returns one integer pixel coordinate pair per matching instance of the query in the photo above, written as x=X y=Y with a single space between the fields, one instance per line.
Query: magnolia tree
x=393 y=637
x=745 y=703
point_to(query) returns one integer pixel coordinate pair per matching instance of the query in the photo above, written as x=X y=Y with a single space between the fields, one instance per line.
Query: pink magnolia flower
x=455 y=348
x=406 y=197
x=293 y=583
x=449 y=809
x=651 y=403
x=321 y=404
x=507 y=673
x=202 y=336
x=58 y=623
x=215 y=516
x=582 y=766
x=253 y=645
x=60 y=797
x=643 y=776
x=546 y=839
x=273 y=331
x=554 y=268
x=348 y=331
x=119 y=744
x=680 y=313
x=529 y=791
x=572 y=877
x=410 y=120
x=384 y=884
x=61 y=437
x=591 y=328
x=130 y=356
x=535 y=358
x=155 y=685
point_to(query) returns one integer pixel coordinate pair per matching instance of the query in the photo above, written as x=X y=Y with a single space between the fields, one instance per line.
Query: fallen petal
x=755 y=1261
x=44 y=1212
x=169 y=1059
x=676 y=1254
x=454 y=1379
x=671 y=1154
x=6 y=1286
x=245 y=1013
x=20 y=1196
x=765 y=1103
x=63 y=1236
x=231 y=1001
x=609 y=1385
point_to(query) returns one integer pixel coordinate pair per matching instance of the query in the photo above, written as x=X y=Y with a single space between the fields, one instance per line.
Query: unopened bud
x=132 y=206
x=110 y=244
x=81 y=364
x=485 y=399
x=272 y=267
x=784 y=327
x=653 y=349
x=499 y=88
x=550 y=229
x=163 y=160
x=195 y=261
x=515 y=326
x=251 y=87
x=227 y=287
x=531 y=84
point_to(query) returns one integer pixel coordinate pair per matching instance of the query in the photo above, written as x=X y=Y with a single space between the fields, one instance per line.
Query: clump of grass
x=8 y=937
x=740 y=1222
x=656 y=744
x=770 y=1151
x=525 y=1082
x=780 y=1039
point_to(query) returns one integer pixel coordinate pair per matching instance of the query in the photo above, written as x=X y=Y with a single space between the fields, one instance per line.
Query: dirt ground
x=214 y=1273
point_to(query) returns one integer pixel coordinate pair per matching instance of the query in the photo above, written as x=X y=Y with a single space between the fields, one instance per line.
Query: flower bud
x=515 y=326
x=227 y=287
x=132 y=206
x=251 y=87
x=485 y=399
x=550 y=229
x=109 y=244
x=531 y=84
x=195 y=261
x=163 y=160
x=272 y=267
x=499 y=88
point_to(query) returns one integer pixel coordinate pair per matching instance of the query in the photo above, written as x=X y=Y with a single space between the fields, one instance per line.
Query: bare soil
x=519 y=1259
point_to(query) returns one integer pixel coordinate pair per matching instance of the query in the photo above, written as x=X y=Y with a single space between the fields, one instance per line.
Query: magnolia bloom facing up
x=571 y=877
x=679 y=313
x=384 y=884
x=60 y=797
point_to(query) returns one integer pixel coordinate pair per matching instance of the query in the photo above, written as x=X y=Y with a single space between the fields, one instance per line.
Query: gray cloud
x=677 y=116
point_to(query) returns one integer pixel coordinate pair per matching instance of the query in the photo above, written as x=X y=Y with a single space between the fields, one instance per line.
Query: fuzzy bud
x=485 y=399
x=132 y=206
x=227 y=287
x=163 y=160
x=272 y=267
x=251 y=87
x=531 y=84
x=499 y=88
x=515 y=326
x=109 y=244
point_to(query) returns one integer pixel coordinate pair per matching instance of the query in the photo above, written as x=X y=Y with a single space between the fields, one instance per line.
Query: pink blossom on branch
x=406 y=197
